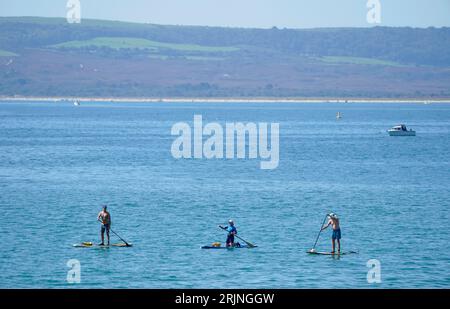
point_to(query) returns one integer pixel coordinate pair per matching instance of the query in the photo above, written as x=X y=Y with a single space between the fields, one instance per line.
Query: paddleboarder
x=334 y=222
x=231 y=229
x=105 y=218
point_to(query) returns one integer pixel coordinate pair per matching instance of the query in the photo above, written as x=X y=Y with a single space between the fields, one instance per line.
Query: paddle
x=127 y=244
x=246 y=242
x=318 y=235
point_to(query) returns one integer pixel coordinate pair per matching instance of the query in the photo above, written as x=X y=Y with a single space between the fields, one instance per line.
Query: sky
x=245 y=13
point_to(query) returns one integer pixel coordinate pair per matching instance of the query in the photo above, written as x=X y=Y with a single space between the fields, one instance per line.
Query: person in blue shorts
x=231 y=229
x=336 y=235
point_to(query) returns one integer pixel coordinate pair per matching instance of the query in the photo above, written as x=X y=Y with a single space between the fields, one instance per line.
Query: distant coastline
x=224 y=100
x=114 y=61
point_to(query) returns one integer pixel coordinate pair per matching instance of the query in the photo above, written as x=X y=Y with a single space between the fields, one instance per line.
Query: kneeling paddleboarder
x=334 y=222
x=105 y=218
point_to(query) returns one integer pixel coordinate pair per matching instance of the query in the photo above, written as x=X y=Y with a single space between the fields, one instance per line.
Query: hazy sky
x=244 y=13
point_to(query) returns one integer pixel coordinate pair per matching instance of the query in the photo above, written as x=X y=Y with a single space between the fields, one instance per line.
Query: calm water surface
x=59 y=163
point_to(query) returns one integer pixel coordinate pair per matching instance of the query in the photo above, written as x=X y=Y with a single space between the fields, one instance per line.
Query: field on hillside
x=5 y=53
x=358 y=60
x=132 y=43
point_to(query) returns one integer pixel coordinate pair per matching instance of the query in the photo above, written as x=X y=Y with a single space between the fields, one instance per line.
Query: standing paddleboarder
x=105 y=218
x=231 y=229
x=334 y=222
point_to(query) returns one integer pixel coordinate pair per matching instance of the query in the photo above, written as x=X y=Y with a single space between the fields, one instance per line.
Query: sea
x=59 y=164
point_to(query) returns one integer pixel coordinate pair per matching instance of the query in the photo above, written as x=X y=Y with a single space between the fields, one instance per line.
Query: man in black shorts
x=105 y=218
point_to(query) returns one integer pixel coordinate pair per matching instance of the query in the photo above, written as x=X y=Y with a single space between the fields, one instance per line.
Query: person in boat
x=336 y=235
x=231 y=229
x=105 y=218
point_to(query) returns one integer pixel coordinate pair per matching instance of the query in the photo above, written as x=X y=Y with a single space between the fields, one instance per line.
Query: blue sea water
x=59 y=163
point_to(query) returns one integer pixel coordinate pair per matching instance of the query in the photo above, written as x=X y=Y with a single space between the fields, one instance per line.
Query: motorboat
x=401 y=130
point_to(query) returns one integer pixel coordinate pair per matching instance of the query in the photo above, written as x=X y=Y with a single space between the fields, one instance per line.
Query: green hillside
x=110 y=58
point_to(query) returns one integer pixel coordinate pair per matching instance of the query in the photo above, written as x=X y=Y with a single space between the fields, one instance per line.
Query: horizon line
x=229 y=27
